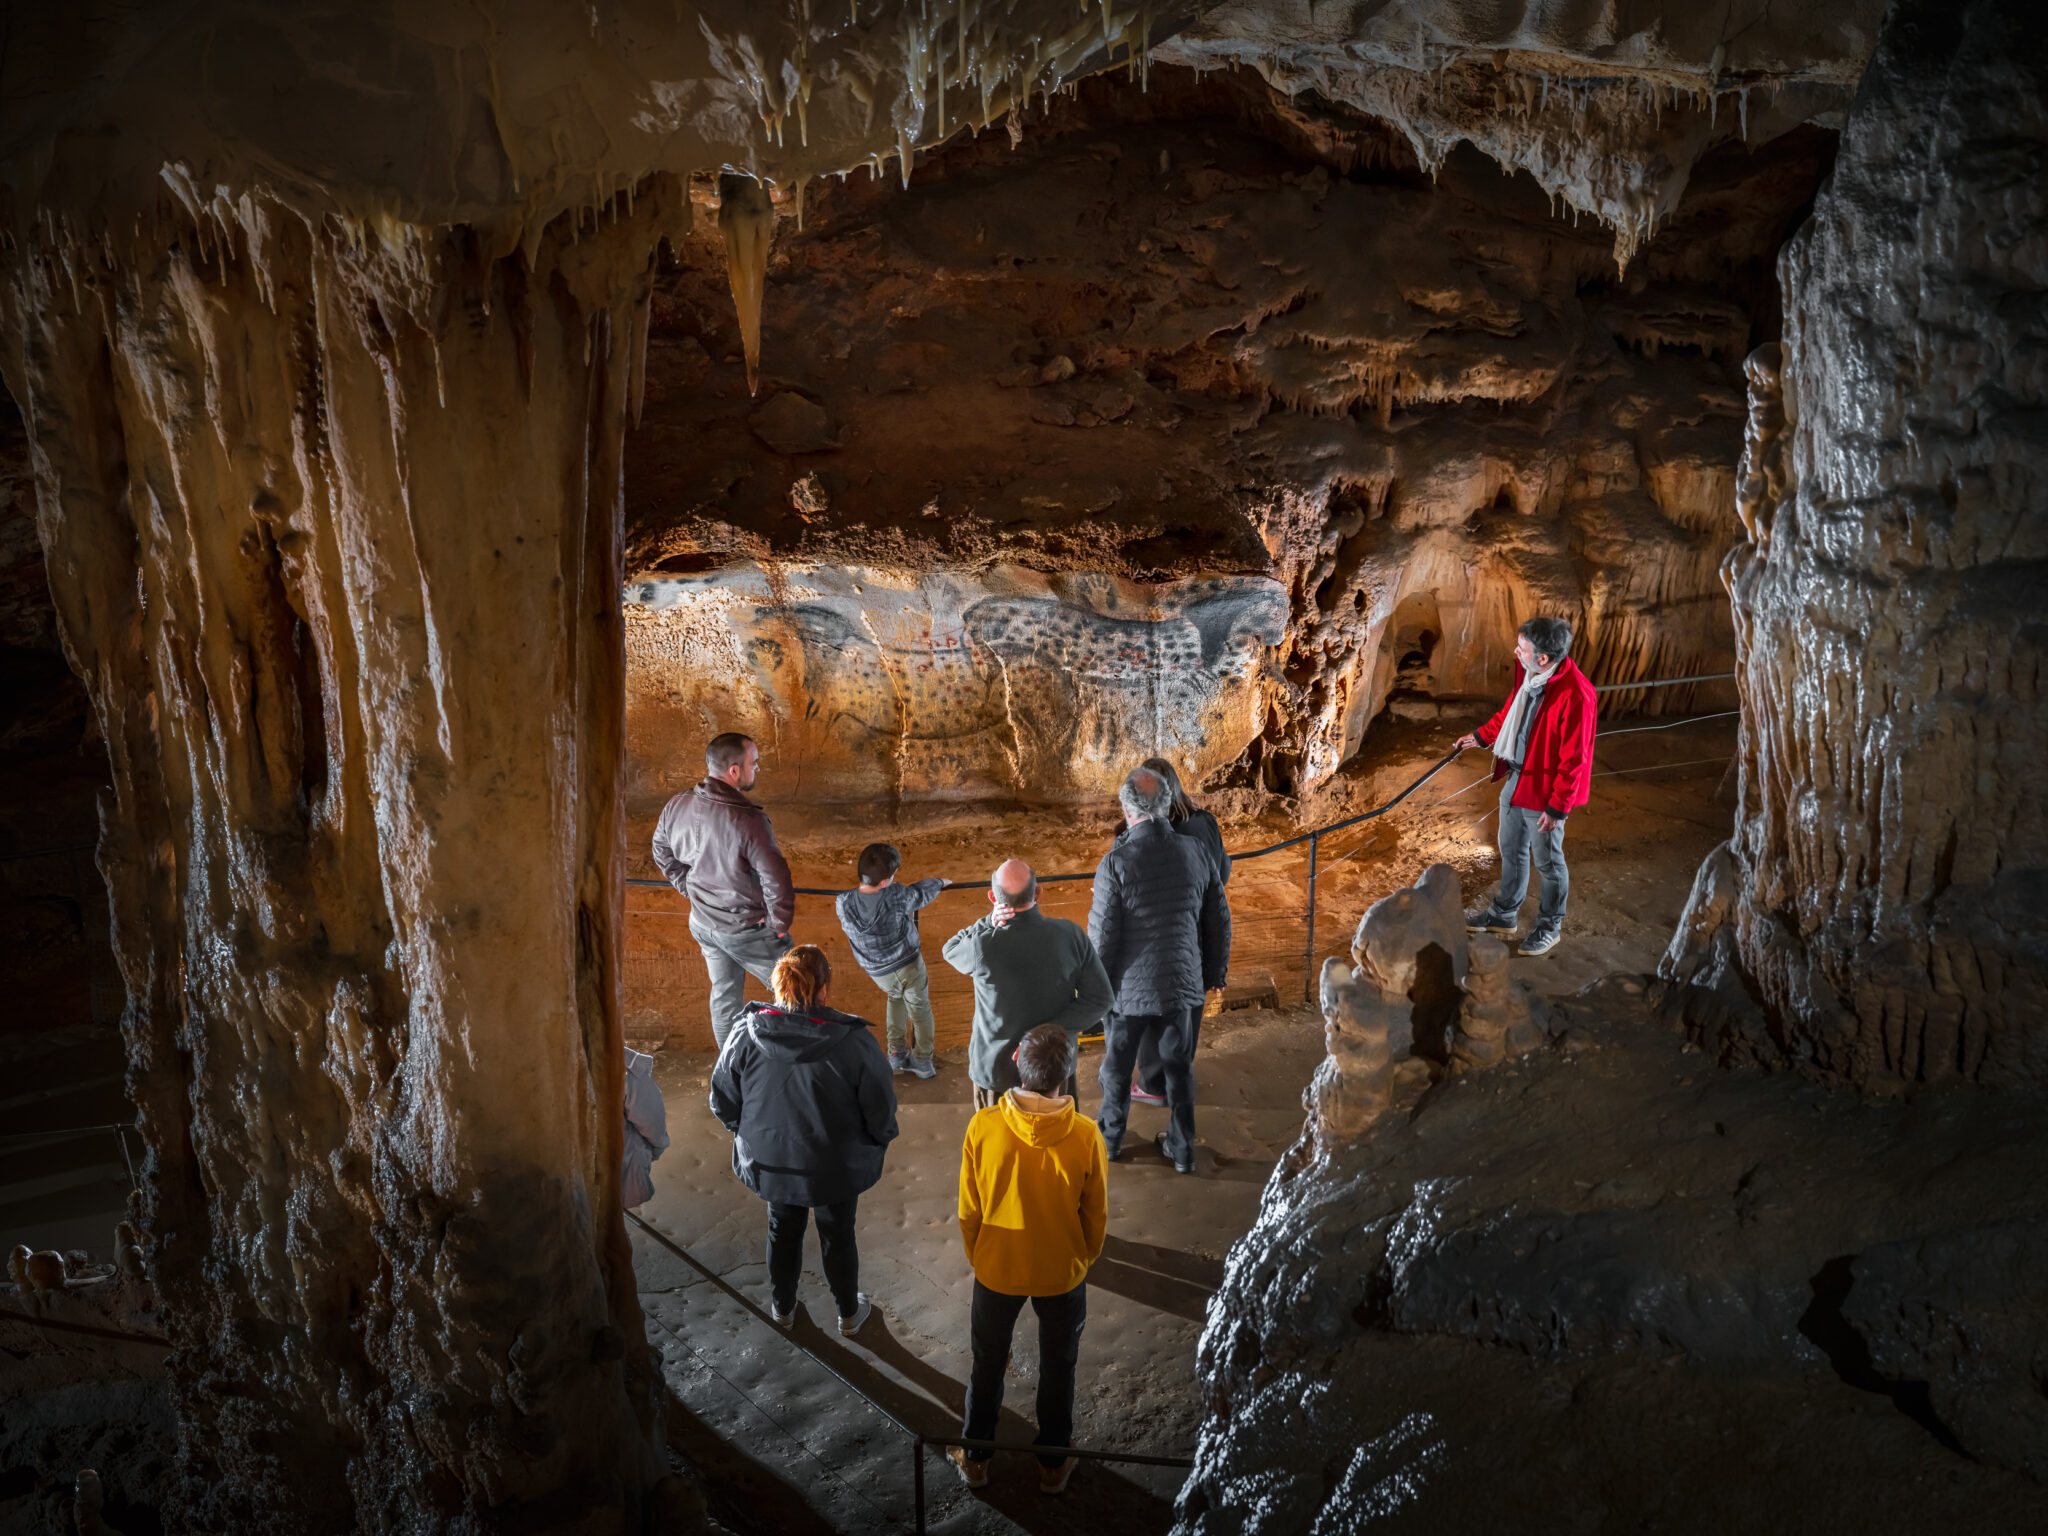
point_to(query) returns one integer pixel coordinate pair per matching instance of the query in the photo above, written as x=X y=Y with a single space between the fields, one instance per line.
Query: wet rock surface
x=1634 y=1259
x=1885 y=882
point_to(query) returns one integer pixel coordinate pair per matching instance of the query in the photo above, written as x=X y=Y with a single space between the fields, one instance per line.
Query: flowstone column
x=333 y=528
x=1888 y=877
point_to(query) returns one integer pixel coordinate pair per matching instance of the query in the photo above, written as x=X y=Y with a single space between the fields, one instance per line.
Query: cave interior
x=425 y=427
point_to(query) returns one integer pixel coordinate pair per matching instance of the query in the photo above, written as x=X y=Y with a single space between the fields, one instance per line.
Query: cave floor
x=1662 y=798
x=773 y=1431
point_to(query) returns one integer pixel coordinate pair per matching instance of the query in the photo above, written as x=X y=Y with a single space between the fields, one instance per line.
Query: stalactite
x=746 y=220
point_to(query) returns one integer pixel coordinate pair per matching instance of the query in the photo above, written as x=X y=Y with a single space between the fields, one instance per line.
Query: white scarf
x=1511 y=728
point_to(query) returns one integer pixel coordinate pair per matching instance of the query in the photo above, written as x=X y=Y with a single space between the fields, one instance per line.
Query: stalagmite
x=746 y=220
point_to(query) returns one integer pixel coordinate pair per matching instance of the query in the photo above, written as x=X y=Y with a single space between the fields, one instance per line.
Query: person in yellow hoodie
x=1034 y=1204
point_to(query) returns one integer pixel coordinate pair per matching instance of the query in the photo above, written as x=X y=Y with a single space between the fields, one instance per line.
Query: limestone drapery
x=1889 y=851
x=334 y=529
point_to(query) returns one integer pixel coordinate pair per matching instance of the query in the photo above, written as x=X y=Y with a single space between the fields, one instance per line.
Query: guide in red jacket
x=1542 y=745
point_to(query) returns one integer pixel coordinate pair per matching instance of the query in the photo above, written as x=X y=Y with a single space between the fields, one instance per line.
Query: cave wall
x=1887 y=884
x=1203 y=333
x=340 y=570
x=869 y=685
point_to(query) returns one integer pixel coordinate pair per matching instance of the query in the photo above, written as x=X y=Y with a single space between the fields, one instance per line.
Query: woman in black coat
x=807 y=1095
x=1188 y=820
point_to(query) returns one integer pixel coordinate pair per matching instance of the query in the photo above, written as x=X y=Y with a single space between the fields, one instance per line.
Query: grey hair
x=1550 y=637
x=1146 y=804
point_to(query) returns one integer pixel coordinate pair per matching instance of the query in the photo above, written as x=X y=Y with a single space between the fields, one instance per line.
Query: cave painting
x=950 y=685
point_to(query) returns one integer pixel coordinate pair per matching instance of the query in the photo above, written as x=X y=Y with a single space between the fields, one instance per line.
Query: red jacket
x=1558 y=770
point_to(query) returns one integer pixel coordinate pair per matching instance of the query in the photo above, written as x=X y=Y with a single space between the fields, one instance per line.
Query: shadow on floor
x=741 y=1493
x=1097 y=1499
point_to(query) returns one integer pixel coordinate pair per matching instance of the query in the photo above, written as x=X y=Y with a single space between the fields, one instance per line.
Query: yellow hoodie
x=1034 y=1195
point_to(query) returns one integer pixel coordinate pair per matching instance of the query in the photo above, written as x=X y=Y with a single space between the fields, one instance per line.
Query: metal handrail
x=919 y=1438
x=1313 y=834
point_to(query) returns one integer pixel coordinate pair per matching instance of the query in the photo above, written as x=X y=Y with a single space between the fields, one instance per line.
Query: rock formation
x=326 y=333
x=356 y=655
x=1201 y=333
x=1885 y=882
x=1609 y=109
x=1418 y=999
x=949 y=685
x=1616 y=1284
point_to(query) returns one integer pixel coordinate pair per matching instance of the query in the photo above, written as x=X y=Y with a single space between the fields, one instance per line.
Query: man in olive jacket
x=1028 y=969
x=715 y=846
x=1162 y=928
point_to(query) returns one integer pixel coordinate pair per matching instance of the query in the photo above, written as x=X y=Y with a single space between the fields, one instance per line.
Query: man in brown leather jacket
x=715 y=846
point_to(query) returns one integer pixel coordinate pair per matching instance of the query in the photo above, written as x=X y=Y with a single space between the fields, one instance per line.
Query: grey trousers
x=909 y=1021
x=1520 y=844
x=731 y=958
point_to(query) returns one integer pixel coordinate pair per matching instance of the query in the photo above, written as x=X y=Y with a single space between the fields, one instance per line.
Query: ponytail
x=800 y=976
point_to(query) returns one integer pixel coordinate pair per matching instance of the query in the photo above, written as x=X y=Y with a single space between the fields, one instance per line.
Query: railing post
x=917 y=1477
x=1308 y=962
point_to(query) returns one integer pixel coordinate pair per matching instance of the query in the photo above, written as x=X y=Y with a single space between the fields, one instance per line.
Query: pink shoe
x=1145 y=1096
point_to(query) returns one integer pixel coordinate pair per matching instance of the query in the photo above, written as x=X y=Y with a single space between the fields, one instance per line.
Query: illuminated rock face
x=356 y=657
x=1004 y=683
x=1198 y=332
x=1887 y=877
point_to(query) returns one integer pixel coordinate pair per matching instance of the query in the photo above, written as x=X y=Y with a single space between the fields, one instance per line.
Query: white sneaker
x=779 y=1318
x=851 y=1323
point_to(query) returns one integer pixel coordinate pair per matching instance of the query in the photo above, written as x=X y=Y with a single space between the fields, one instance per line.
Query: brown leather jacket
x=715 y=846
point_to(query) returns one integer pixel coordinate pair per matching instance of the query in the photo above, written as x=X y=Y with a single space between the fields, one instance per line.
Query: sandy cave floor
x=777 y=1431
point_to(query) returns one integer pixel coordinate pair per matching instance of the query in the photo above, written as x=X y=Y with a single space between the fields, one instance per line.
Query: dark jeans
x=1174 y=1039
x=835 y=1246
x=1059 y=1348
x=1151 y=1076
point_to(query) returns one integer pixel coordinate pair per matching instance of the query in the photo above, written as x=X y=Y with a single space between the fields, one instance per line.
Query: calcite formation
x=1587 y=1286
x=333 y=530
x=866 y=685
x=1888 y=856
x=1223 y=413
x=1609 y=108
x=1199 y=334
x=1417 y=1000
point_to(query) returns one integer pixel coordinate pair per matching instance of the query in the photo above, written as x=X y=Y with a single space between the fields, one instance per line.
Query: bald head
x=1015 y=885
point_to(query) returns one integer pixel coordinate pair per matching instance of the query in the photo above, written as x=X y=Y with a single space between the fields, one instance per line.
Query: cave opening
x=410 y=471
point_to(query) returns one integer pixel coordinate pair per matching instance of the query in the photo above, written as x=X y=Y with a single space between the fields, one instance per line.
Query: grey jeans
x=1520 y=843
x=731 y=958
x=909 y=994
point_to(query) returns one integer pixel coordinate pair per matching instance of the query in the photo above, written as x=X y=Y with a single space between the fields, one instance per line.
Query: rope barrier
x=1314 y=833
x=1665 y=682
x=919 y=1438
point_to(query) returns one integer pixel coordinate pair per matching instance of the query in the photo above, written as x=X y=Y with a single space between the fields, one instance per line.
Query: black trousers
x=1173 y=1036
x=835 y=1247
x=1059 y=1349
x=1151 y=1076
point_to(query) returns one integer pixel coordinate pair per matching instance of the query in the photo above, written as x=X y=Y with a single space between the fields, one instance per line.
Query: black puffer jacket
x=809 y=1102
x=1159 y=922
x=1202 y=827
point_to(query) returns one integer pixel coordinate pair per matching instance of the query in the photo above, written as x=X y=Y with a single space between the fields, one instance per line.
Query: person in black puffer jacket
x=1190 y=821
x=806 y=1093
x=1162 y=929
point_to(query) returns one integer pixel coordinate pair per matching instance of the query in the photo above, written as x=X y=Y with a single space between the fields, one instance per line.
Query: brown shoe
x=973 y=1473
x=1053 y=1480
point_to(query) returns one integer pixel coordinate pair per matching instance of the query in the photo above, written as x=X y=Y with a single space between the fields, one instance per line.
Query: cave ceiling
x=502 y=118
